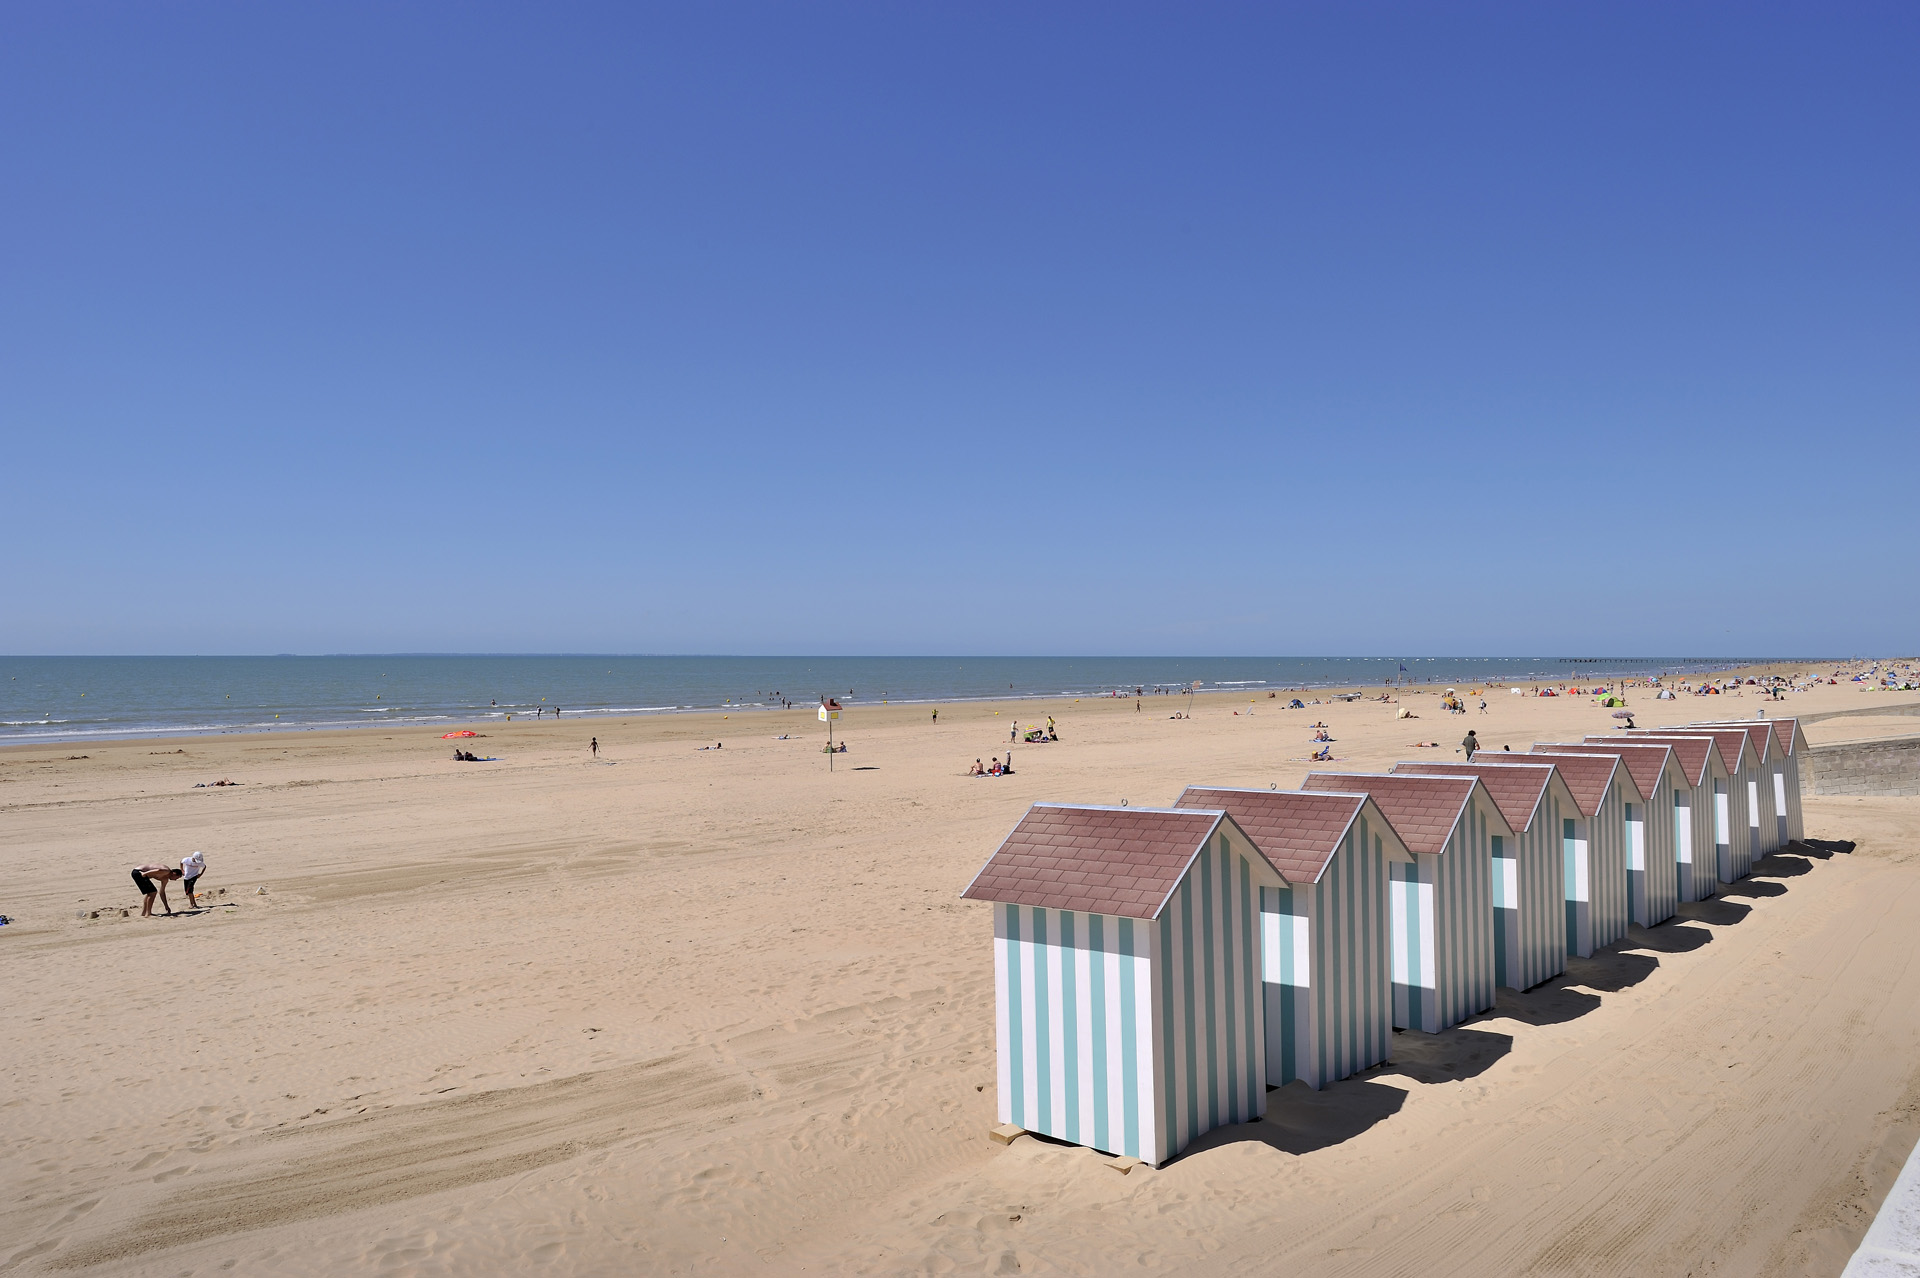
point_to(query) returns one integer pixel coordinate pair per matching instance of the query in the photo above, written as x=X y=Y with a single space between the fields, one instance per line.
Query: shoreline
x=374 y=719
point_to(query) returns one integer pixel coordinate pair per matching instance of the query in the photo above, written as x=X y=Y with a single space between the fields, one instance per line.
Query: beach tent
x=1689 y=806
x=1732 y=771
x=1325 y=939
x=1594 y=841
x=1441 y=905
x=1653 y=880
x=1789 y=743
x=1529 y=917
x=1126 y=967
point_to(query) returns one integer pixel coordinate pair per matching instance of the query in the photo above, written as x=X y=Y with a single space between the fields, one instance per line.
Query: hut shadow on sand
x=1300 y=1120
x=1718 y=912
x=1756 y=888
x=1782 y=865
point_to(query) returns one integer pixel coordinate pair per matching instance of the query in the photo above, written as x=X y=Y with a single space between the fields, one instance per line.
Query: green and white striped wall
x=1653 y=880
x=1329 y=1004
x=1732 y=830
x=1129 y=1035
x=1696 y=873
x=1596 y=874
x=1441 y=911
x=1529 y=917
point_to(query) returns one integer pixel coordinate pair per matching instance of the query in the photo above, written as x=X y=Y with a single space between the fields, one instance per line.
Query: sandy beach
x=678 y=1010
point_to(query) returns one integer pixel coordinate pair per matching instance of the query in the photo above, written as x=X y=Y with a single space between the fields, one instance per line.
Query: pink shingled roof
x=1645 y=760
x=1782 y=731
x=1422 y=810
x=1730 y=742
x=1759 y=736
x=1297 y=831
x=1123 y=861
x=1515 y=785
x=1587 y=776
x=1693 y=753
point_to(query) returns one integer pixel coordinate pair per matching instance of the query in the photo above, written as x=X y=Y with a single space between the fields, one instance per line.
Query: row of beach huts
x=1157 y=969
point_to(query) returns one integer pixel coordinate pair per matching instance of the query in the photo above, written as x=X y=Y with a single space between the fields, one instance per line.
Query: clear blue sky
x=959 y=329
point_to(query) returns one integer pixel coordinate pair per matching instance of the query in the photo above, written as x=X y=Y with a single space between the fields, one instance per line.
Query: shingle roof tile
x=1299 y=832
x=1515 y=787
x=1120 y=861
x=1422 y=810
x=1587 y=776
x=1645 y=760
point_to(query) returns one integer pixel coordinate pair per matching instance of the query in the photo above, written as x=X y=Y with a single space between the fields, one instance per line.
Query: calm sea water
x=68 y=698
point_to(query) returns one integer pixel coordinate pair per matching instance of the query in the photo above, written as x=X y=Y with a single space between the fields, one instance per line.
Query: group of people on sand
x=152 y=880
x=468 y=756
x=994 y=769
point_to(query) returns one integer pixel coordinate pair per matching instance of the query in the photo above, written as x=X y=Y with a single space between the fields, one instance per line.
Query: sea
x=45 y=699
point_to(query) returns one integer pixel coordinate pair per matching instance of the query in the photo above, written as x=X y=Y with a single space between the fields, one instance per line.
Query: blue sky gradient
x=959 y=329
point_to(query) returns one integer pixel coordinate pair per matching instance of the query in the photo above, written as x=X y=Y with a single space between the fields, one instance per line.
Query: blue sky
x=959 y=329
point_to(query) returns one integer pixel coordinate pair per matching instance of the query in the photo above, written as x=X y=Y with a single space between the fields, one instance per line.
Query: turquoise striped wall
x=1132 y=1036
x=1763 y=808
x=1213 y=1056
x=1075 y=1009
x=1794 y=825
x=1441 y=910
x=1596 y=874
x=1328 y=1000
x=1652 y=873
x=1733 y=834
x=1530 y=924
x=1697 y=875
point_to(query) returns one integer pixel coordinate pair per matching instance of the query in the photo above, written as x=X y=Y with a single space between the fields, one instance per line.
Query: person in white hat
x=192 y=866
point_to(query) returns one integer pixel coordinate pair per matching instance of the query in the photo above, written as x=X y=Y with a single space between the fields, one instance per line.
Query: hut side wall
x=1076 y=1029
x=1530 y=924
x=1763 y=807
x=1697 y=877
x=1212 y=1045
x=1442 y=911
x=1796 y=821
x=1595 y=851
x=1328 y=1000
x=1652 y=872
x=1607 y=859
x=1733 y=834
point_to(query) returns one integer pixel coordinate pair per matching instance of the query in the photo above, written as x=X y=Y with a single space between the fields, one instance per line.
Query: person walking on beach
x=191 y=868
x=936 y=716
x=143 y=878
x=1470 y=743
x=1013 y=733
x=595 y=743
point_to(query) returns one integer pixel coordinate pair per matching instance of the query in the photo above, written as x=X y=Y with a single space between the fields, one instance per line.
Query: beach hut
x=1653 y=880
x=1594 y=840
x=1126 y=965
x=1325 y=991
x=1691 y=807
x=1783 y=763
x=1763 y=827
x=1735 y=775
x=1440 y=905
x=1529 y=917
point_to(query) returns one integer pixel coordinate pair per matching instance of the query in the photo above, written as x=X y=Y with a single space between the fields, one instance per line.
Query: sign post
x=829 y=711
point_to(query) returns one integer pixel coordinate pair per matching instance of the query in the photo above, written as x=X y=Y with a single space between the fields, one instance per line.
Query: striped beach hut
x=1733 y=773
x=1126 y=967
x=1594 y=839
x=1689 y=806
x=1529 y=917
x=1763 y=824
x=1783 y=762
x=1653 y=879
x=1440 y=905
x=1325 y=940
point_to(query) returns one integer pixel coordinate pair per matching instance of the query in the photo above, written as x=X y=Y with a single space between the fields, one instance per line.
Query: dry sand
x=723 y=1012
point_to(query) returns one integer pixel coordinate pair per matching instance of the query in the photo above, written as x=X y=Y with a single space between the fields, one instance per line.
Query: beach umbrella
x=1623 y=714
